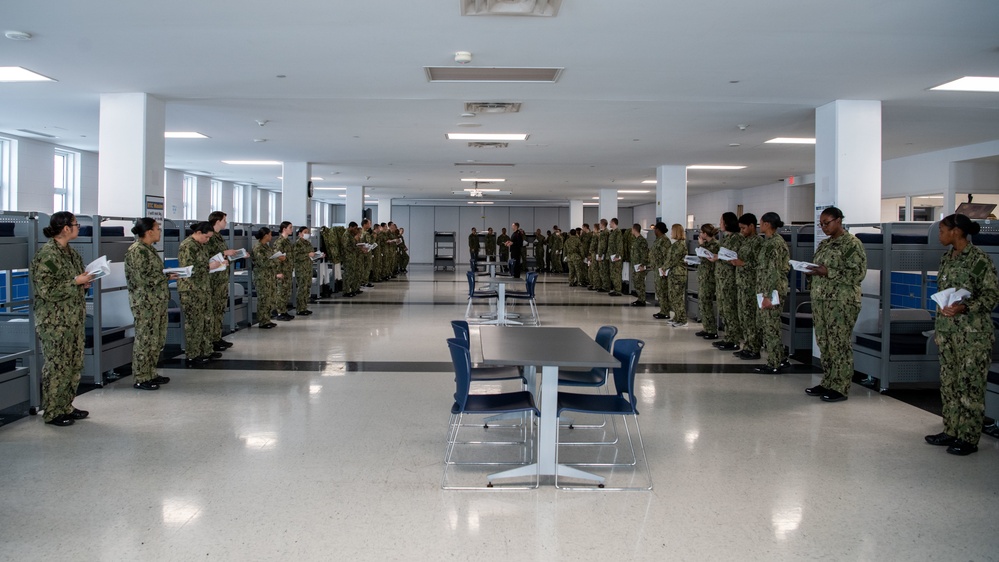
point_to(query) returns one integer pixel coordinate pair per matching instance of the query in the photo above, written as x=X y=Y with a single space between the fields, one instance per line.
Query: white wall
x=173 y=193
x=929 y=173
x=88 y=183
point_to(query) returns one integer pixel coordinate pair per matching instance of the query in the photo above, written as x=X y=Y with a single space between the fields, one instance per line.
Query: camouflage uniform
x=727 y=290
x=615 y=247
x=539 y=252
x=594 y=268
x=491 y=245
x=707 y=288
x=195 y=296
x=219 y=287
x=573 y=246
x=284 y=245
x=836 y=305
x=603 y=266
x=332 y=240
x=639 y=256
x=771 y=274
x=265 y=280
x=745 y=281
x=473 y=246
x=366 y=264
x=659 y=255
x=966 y=341
x=403 y=254
x=355 y=262
x=557 y=245
x=149 y=298
x=676 y=282
x=60 y=317
x=303 y=274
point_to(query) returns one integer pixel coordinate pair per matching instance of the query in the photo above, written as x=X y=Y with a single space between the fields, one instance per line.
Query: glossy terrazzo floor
x=322 y=440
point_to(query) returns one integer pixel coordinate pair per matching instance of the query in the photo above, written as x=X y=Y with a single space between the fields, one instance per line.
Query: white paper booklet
x=218 y=258
x=951 y=296
x=614 y=257
x=638 y=267
x=240 y=254
x=181 y=272
x=318 y=256
x=692 y=260
x=663 y=272
x=704 y=253
x=727 y=255
x=774 y=299
x=276 y=255
x=100 y=267
x=802 y=265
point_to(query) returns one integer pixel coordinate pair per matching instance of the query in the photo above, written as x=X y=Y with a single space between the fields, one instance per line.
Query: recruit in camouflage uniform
x=594 y=267
x=356 y=259
x=745 y=281
x=303 y=274
x=572 y=249
x=490 y=243
x=836 y=306
x=473 y=246
x=539 y=251
x=771 y=274
x=557 y=244
x=676 y=282
x=403 y=252
x=639 y=256
x=149 y=298
x=195 y=296
x=707 y=289
x=966 y=341
x=332 y=239
x=727 y=291
x=367 y=261
x=265 y=281
x=286 y=246
x=627 y=241
x=603 y=266
x=658 y=256
x=583 y=273
x=219 y=286
x=504 y=250
x=60 y=313
x=615 y=259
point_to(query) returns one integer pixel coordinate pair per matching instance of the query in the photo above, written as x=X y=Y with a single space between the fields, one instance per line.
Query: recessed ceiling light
x=332 y=188
x=633 y=191
x=971 y=84
x=651 y=181
x=791 y=140
x=710 y=167
x=184 y=135
x=21 y=74
x=486 y=136
x=481 y=189
x=483 y=180
x=313 y=179
x=253 y=162
x=18 y=35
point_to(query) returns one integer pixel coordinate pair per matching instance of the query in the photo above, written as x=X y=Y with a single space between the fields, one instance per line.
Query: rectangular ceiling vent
x=542 y=8
x=488 y=144
x=492 y=74
x=37 y=134
x=492 y=107
x=478 y=164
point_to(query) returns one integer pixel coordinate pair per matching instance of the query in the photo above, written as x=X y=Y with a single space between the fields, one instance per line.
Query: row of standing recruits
x=549 y=249
x=368 y=253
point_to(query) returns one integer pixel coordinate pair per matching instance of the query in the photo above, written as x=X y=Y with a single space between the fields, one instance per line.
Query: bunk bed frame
x=796 y=316
x=20 y=368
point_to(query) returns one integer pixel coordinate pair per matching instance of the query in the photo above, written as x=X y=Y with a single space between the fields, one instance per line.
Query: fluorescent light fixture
x=21 y=74
x=710 y=167
x=480 y=202
x=253 y=162
x=791 y=140
x=633 y=191
x=486 y=136
x=183 y=135
x=927 y=196
x=653 y=182
x=331 y=188
x=481 y=189
x=483 y=179
x=313 y=179
x=971 y=84
x=599 y=198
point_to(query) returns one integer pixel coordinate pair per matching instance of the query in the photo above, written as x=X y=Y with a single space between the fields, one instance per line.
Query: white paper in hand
x=726 y=254
x=704 y=253
x=950 y=296
x=276 y=255
x=240 y=254
x=180 y=272
x=218 y=258
x=100 y=267
x=692 y=260
x=802 y=266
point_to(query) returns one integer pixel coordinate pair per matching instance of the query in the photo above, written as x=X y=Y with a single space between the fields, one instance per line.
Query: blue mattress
x=900 y=344
x=6 y=229
x=105 y=231
x=873 y=238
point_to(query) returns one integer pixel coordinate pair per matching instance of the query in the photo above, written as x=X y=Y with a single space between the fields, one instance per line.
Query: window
x=317 y=213
x=8 y=199
x=237 y=203
x=272 y=208
x=66 y=184
x=216 y=195
x=190 y=197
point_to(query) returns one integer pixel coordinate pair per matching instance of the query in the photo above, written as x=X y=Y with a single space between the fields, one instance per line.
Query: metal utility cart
x=445 y=250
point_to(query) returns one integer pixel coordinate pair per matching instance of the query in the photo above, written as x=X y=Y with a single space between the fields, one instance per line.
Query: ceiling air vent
x=488 y=144
x=492 y=74
x=542 y=8
x=492 y=107
x=37 y=134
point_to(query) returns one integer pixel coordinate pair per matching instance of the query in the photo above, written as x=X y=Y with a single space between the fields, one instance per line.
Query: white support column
x=608 y=204
x=950 y=192
x=848 y=159
x=575 y=213
x=384 y=210
x=131 y=153
x=295 y=202
x=355 y=204
x=671 y=195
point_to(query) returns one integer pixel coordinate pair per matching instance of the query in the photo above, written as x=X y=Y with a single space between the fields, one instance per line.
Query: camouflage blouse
x=284 y=245
x=725 y=271
x=639 y=252
x=971 y=269
x=772 y=266
x=659 y=255
x=57 y=297
x=148 y=286
x=302 y=250
x=846 y=260
x=193 y=253
x=749 y=251
x=706 y=270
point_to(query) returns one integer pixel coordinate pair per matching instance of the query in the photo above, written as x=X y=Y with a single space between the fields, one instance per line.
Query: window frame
x=190 y=197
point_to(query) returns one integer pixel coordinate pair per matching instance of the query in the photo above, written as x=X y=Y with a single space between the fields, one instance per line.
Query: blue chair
x=590 y=378
x=475 y=294
x=623 y=403
x=528 y=295
x=486 y=374
x=466 y=403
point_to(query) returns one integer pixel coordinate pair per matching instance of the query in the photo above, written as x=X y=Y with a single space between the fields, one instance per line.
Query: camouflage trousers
x=220 y=301
x=706 y=307
x=964 y=367
x=834 y=321
x=574 y=267
x=539 y=259
x=303 y=288
x=266 y=298
x=677 y=293
x=638 y=283
x=150 y=337
x=197 y=323
x=662 y=294
x=603 y=268
x=593 y=273
x=283 y=293
x=62 y=348
x=728 y=307
x=769 y=325
x=749 y=319
x=616 y=275
x=555 y=264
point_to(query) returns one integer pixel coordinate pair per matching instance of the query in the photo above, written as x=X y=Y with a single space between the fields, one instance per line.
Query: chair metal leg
x=526 y=458
x=602 y=487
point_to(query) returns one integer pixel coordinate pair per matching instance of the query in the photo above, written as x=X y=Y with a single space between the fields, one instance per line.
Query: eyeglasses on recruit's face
x=824 y=224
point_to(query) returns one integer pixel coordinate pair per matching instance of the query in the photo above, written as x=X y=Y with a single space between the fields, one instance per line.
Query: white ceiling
x=646 y=83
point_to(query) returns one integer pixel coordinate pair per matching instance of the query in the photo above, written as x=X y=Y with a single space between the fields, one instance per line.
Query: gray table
x=551 y=348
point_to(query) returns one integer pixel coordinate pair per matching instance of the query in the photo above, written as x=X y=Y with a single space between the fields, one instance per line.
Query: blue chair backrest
x=627 y=351
x=471 y=283
x=605 y=336
x=532 y=279
x=461 y=358
x=460 y=328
